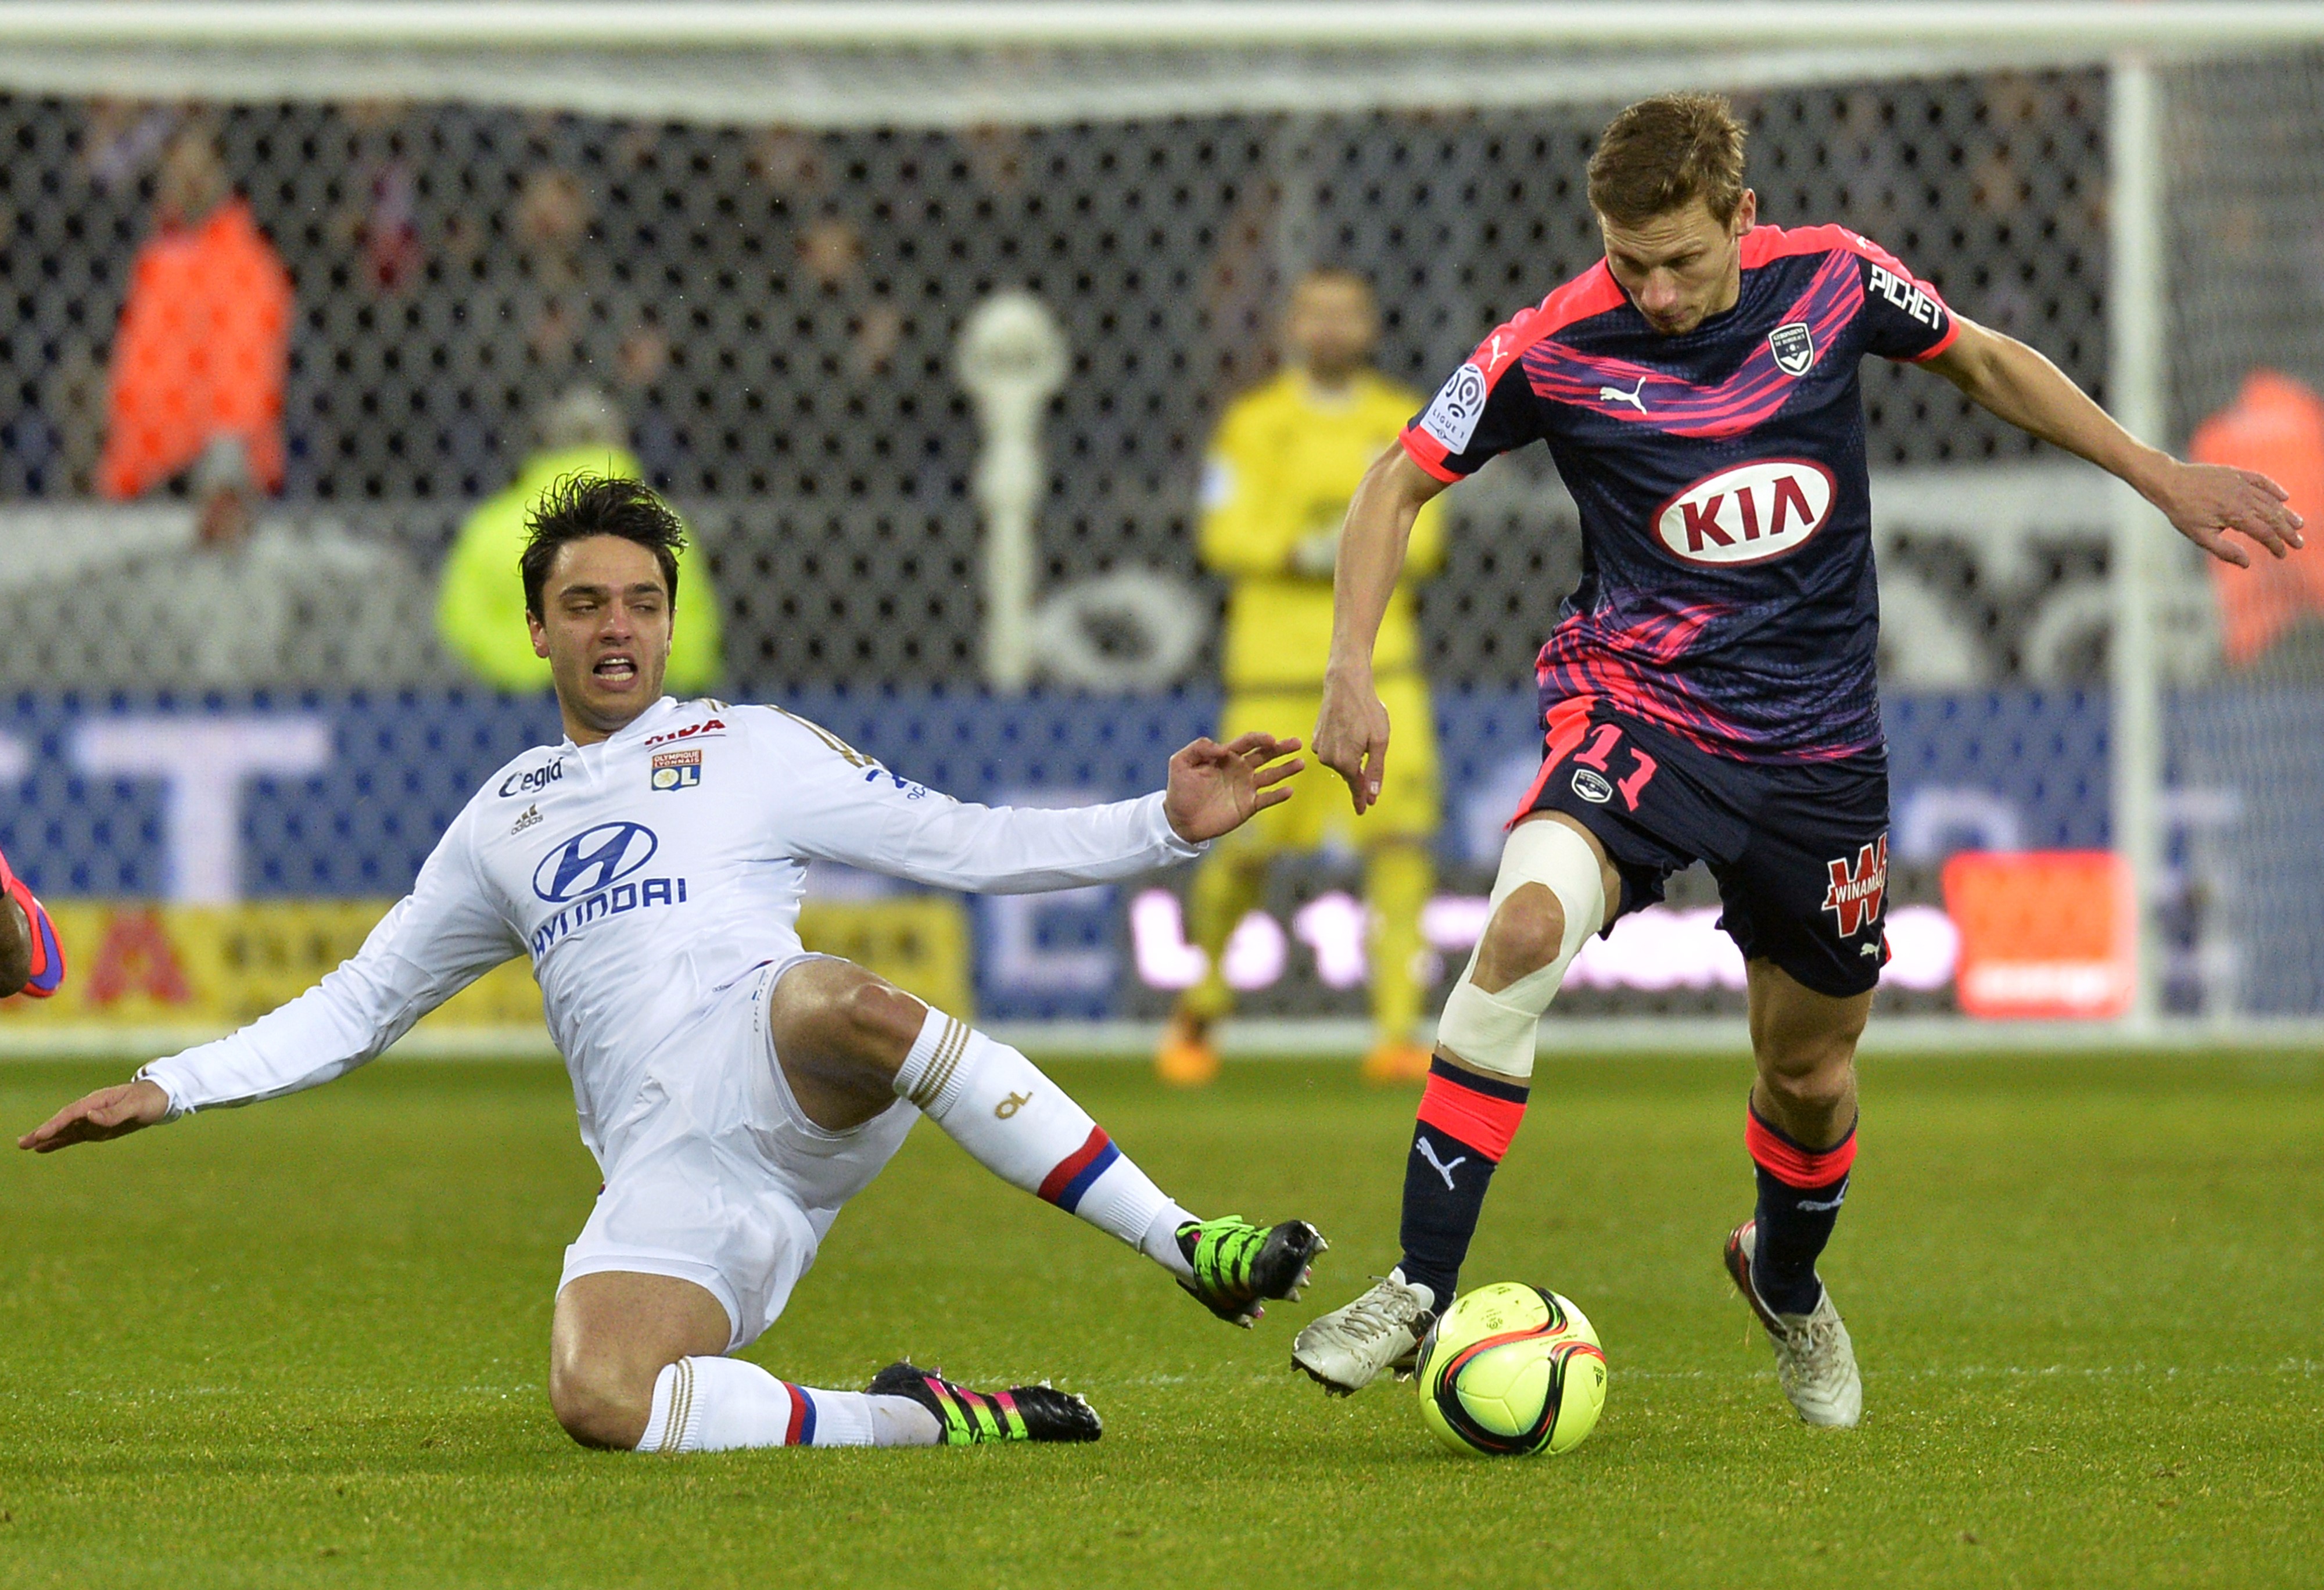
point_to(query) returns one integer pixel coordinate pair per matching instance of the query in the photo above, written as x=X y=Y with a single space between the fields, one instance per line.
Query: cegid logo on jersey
x=590 y=870
x=1748 y=514
x=533 y=780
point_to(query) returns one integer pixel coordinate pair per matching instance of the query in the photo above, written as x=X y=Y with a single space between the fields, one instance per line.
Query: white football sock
x=719 y=1404
x=1026 y=1130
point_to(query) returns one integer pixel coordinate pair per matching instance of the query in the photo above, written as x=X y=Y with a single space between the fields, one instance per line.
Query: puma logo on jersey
x=1635 y=397
x=1427 y=1151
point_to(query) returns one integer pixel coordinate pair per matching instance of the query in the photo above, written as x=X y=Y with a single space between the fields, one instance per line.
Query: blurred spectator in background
x=479 y=603
x=1286 y=460
x=2276 y=426
x=196 y=391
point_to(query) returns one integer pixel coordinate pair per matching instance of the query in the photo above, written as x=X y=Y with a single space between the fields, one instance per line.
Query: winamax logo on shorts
x=1854 y=895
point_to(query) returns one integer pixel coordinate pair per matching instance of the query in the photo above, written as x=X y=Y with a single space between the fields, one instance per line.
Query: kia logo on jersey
x=592 y=860
x=1748 y=514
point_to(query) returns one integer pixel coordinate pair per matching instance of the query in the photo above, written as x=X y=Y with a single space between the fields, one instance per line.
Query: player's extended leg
x=1398 y=878
x=638 y=1361
x=1228 y=885
x=1554 y=890
x=849 y=1044
x=1801 y=1128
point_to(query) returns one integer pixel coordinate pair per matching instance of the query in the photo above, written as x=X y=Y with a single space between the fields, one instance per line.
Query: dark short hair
x=1662 y=154
x=578 y=506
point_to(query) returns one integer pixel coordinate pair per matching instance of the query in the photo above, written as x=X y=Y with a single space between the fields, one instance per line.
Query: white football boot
x=1814 y=1360
x=1345 y=1350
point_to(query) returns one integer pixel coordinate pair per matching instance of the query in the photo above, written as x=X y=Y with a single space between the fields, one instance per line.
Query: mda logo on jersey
x=592 y=860
x=1746 y=514
x=676 y=770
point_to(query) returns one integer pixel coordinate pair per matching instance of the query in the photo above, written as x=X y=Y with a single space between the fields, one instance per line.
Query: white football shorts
x=725 y=1182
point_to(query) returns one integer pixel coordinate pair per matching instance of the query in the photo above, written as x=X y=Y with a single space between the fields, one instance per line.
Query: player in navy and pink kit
x=31 y=963
x=1709 y=691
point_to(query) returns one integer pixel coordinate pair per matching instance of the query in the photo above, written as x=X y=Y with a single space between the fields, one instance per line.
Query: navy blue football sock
x=1464 y=1128
x=1801 y=1190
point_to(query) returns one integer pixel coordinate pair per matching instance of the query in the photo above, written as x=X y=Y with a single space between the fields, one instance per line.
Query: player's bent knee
x=601 y=1403
x=1811 y=1077
x=1527 y=933
x=1549 y=895
x=842 y=1018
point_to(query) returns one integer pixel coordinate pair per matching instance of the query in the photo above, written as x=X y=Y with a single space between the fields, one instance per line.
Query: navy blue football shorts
x=1800 y=850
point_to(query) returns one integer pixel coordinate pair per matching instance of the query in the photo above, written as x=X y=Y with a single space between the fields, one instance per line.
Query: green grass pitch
x=304 y=1343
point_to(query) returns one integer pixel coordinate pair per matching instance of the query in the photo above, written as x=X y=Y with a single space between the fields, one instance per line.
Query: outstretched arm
x=2203 y=502
x=434 y=943
x=838 y=804
x=1351 y=733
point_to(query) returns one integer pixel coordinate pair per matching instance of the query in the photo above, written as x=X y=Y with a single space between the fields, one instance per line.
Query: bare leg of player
x=1800 y=1130
x=850 y=1044
x=638 y=1362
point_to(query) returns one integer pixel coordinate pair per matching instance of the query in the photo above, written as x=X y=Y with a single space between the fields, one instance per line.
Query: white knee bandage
x=1496 y=1032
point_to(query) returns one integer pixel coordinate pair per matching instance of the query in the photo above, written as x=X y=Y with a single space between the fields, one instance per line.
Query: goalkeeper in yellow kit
x=1282 y=467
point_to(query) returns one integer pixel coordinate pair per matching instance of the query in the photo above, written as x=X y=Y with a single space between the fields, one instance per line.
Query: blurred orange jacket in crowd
x=204 y=343
x=2274 y=425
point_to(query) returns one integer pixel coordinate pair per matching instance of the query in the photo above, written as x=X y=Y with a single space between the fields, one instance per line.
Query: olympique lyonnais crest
x=1793 y=347
x=1855 y=893
x=676 y=770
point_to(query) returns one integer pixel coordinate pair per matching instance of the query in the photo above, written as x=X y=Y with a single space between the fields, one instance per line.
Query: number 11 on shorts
x=1595 y=755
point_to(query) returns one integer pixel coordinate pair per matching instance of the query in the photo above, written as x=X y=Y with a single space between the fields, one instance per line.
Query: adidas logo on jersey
x=532 y=815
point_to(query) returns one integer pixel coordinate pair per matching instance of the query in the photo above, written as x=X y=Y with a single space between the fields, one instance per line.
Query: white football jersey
x=642 y=874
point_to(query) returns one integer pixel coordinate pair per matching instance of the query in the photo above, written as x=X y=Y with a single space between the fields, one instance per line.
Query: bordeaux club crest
x=1793 y=347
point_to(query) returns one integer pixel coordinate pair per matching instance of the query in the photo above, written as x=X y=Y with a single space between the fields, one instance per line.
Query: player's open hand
x=1215 y=788
x=107 y=1113
x=1352 y=738
x=2204 y=501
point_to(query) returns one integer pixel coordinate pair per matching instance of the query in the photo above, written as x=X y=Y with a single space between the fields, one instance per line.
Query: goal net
x=749 y=245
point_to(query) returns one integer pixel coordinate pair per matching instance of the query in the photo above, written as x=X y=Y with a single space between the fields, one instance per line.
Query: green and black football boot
x=1021 y=1413
x=1237 y=1264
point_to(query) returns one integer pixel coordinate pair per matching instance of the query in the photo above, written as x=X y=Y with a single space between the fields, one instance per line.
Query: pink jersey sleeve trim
x=1428 y=452
x=1763 y=244
x=1952 y=330
x=1593 y=292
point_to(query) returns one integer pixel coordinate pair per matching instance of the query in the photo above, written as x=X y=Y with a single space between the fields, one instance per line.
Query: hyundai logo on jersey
x=1748 y=514
x=592 y=860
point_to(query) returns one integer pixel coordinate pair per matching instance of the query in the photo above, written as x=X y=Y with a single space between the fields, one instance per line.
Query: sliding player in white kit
x=736 y=1090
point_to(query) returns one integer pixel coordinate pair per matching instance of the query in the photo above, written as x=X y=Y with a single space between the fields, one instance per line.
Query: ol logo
x=592 y=860
x=1012 y=1105
x=676 y=769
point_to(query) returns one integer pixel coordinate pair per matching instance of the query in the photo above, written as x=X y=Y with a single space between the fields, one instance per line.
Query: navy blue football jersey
x=1727 y=590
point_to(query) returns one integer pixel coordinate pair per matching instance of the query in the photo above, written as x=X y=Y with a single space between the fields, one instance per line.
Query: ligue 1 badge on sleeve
x=676 y=770
x=1793 y=347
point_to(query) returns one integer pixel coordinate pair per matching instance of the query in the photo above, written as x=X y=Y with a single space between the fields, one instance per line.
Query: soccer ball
x=1509 y=1370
